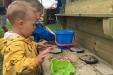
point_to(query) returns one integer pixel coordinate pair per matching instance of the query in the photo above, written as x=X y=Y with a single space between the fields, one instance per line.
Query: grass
x=8 y=26
x=54 y=26
x=1 y=32
x=1 y=57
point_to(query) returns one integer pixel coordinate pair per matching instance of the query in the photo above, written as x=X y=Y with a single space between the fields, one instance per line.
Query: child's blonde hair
x=17 y=10
x=34 y=3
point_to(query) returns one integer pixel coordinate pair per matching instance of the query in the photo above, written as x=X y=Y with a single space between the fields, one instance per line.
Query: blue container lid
x=64 y=31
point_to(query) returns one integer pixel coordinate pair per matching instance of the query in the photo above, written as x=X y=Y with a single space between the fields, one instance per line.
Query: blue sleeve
x=41 y=32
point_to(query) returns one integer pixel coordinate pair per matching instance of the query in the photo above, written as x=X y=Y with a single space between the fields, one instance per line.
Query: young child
x=20 y=52
x=40 y=31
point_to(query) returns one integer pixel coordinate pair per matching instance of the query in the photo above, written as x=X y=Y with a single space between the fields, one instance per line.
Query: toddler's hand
x=42 y=55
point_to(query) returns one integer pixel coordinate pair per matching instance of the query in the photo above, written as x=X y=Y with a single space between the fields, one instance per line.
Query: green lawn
x=1 y=57
x=8 y=26
x=54 y=26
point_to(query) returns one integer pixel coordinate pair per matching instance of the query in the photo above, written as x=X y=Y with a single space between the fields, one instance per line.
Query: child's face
x=38 y=14
x=28 y=24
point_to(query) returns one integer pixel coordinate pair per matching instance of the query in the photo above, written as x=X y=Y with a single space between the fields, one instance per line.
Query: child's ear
x=20 y=23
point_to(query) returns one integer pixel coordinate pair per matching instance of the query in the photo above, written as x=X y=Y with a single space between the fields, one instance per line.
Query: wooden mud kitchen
x=93 y=22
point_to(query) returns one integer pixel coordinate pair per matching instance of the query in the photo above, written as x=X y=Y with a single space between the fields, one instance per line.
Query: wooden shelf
x=86 y=15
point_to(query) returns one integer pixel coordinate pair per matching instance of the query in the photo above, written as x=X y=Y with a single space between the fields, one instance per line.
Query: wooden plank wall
x=89 y=6
x=90 y=30
x=90 y=34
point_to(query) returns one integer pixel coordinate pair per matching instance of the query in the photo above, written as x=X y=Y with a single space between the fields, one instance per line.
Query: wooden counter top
x=101 y=68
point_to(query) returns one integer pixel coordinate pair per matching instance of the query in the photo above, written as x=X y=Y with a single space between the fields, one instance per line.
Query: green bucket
x=61 y=67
